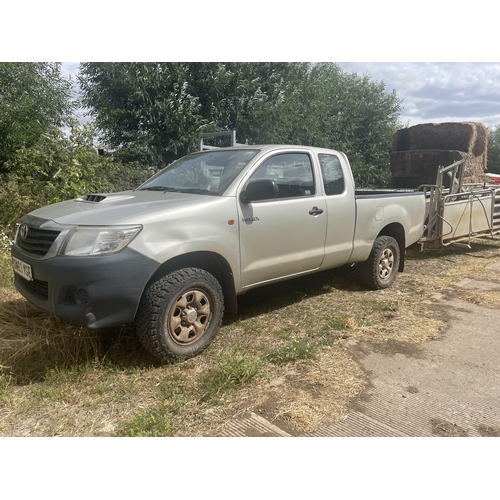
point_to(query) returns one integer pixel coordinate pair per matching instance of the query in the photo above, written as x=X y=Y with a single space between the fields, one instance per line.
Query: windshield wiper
x=199 y=191
x=158 y=188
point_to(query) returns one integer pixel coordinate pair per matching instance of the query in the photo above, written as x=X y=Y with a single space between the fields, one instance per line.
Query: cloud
x=440 y=92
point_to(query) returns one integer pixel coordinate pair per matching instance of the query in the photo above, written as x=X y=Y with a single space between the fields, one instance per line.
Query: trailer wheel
x=381 y=268
x=180 y=314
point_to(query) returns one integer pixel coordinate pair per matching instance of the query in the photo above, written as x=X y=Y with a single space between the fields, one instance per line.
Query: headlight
x=98 y=240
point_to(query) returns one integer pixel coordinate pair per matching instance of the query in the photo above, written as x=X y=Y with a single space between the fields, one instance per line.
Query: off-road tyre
x=381 y=268
x=180 y=314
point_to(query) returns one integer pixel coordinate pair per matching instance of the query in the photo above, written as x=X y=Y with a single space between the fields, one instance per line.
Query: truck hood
x=128 y=207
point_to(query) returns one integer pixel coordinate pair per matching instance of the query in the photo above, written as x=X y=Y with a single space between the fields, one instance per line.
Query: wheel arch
x=396 y=231
x=211 y=262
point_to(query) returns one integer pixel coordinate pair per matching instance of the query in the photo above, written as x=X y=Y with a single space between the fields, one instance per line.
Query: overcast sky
x=440 y=92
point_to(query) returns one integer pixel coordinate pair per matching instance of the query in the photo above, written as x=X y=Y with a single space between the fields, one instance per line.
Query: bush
x=57 y=168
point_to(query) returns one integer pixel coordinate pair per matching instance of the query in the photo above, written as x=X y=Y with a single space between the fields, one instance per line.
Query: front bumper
x=94 y=291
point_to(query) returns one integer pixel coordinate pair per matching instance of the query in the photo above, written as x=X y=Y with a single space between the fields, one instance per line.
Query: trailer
x=459 y=212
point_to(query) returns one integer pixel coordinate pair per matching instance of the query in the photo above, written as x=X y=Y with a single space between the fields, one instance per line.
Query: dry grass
x=286 y=355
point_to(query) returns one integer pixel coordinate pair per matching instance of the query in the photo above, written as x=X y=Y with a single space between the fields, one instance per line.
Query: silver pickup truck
x=176 y=252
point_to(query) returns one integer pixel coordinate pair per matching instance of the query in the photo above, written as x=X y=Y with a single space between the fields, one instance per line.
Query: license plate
x=22 y=269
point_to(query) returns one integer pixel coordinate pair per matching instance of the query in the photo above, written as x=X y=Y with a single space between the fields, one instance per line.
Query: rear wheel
x=180 y=314
x=381 y=268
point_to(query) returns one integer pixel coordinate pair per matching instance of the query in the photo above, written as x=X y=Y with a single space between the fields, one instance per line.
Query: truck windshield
x=208 y=172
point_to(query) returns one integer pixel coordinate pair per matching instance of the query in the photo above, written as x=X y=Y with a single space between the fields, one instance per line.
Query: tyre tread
x=368 y=270
x=155 y=298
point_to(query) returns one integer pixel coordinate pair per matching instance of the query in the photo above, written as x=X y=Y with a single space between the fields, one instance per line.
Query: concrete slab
x=251 y=425
x=485 y=286
x=445 y=387
x=494 y=267
x=448 y=387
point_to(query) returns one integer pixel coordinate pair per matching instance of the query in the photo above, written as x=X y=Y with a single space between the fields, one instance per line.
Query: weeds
x=339 y=323
x=148 y=423
x=297 y=349
x=383 y=306
x=231 y=372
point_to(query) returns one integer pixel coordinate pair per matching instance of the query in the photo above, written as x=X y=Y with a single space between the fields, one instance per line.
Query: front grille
x=37 y=241
x=38 y=286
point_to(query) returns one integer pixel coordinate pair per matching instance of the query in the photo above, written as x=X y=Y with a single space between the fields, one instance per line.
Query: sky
x=432 y=92
x=438 y=92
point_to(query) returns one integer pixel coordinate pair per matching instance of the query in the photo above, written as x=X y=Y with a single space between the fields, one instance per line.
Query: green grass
x=295 y=350
x=229 y=373
x=338 y=323
x=383 y=306
x=148 y=423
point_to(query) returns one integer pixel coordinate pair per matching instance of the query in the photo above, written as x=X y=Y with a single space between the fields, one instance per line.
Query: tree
x=353 y=114
x=34 y=97
x=494 y=150
x=144 y=110
x=154 y=111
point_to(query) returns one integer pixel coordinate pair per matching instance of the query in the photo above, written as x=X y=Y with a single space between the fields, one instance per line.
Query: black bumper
x=95 y=292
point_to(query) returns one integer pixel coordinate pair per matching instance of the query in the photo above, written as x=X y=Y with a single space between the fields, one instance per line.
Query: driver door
x=285 y=235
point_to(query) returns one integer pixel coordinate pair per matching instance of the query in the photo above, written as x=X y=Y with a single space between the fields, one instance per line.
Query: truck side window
x=333 y=178
x=292 y=173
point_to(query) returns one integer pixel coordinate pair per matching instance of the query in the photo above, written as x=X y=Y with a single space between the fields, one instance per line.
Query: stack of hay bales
x=419 y=151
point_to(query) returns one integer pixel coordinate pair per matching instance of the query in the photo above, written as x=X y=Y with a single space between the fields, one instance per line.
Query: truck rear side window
x=333 y=177
x=292 y=173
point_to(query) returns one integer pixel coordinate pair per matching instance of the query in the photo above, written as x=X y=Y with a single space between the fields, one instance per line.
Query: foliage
x=34 y=97
x=144 y=109
x=153 y=112
x=6 y=241
x=349 y=113
x=57 y=168
x=494 y=150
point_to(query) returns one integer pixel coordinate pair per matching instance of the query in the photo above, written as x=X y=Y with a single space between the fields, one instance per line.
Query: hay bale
x=481 y=141
x=410 y=169
x=469 y=137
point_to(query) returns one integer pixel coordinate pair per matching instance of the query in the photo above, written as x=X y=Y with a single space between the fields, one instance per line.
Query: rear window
x=333 y=177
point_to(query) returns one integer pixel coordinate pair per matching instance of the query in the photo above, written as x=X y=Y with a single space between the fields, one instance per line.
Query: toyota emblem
x=23 y=230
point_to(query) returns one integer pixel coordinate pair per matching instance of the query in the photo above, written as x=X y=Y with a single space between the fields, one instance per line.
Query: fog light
x=82 y=297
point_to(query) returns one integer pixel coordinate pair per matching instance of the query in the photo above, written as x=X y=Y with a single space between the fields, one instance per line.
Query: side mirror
x=260 y=189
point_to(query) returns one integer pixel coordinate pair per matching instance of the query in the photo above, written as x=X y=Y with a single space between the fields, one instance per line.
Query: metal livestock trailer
x=461 y=211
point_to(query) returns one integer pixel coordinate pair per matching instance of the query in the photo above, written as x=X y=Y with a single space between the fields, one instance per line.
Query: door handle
x=315 y=211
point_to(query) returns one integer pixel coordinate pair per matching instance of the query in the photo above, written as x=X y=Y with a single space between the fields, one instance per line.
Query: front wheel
x=180 y=314
x=381 y=268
